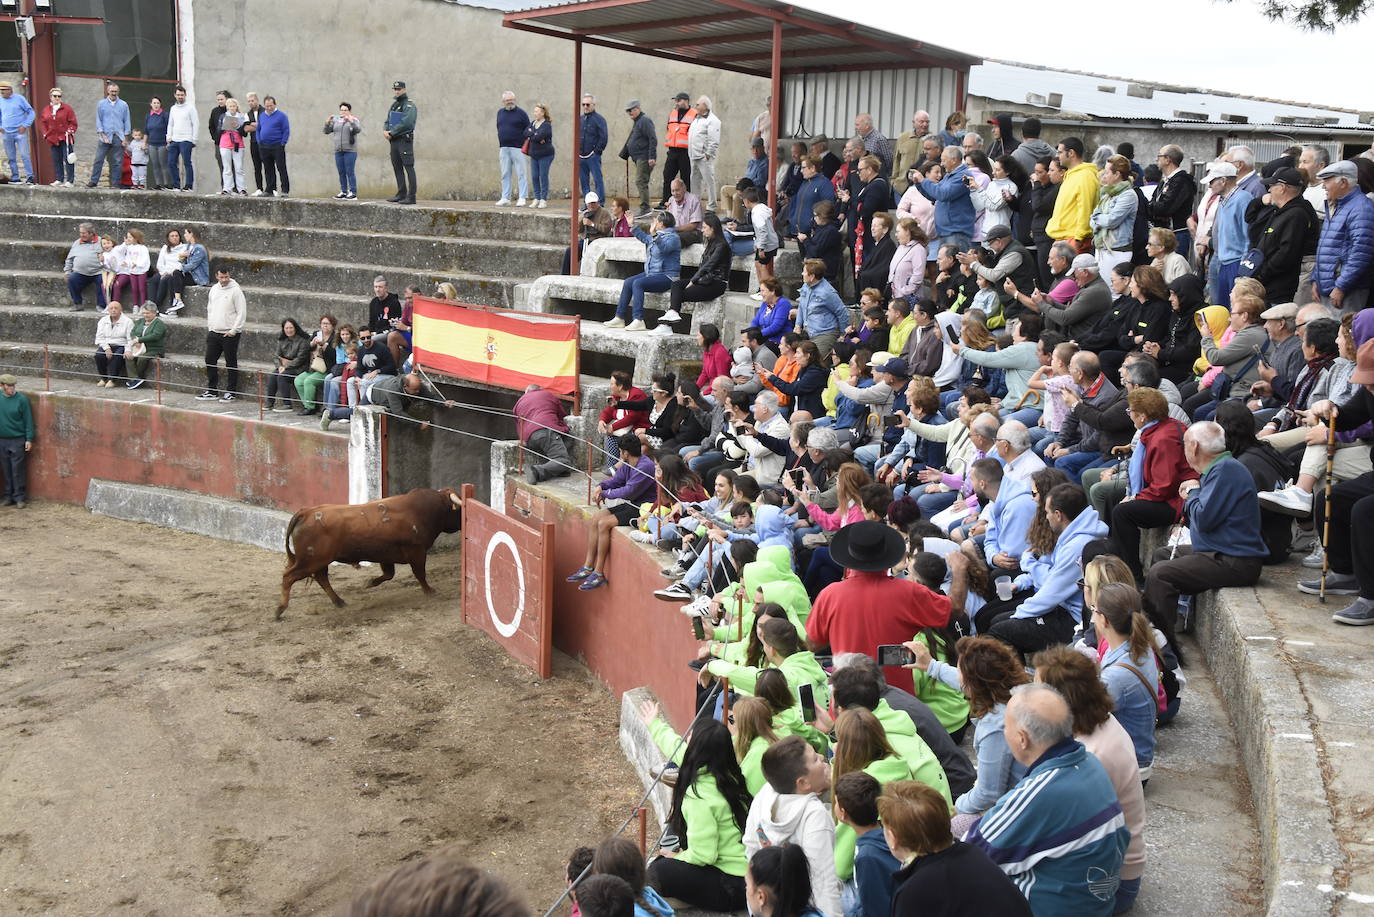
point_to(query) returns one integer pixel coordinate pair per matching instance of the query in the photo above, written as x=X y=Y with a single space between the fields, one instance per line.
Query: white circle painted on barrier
x=503 y=628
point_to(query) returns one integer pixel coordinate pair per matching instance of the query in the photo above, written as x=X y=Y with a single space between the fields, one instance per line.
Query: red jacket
x=714 y=362
x=866 y=610
x=1165 y=466
x=623 y=420
x=55 y=127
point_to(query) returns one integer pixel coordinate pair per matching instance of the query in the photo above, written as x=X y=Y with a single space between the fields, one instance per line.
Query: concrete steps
x=181 y=371
x=424 y=253
x=473 y=221
x=253 y=270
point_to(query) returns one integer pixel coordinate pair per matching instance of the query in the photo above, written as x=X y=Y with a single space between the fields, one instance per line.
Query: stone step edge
x=1273 y=727
x=185 y=511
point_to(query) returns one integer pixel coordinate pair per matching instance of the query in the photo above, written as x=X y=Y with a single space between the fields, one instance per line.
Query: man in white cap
x=1230 y=239
x=1344 y=268
x=596 y=224
x=16 y=439
x=16 y=118
x=1090 y=303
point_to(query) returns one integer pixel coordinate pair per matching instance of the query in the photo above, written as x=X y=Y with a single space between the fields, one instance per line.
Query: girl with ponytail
x=1128 y=666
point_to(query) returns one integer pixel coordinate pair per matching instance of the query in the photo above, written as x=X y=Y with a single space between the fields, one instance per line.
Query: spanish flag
x=507 y=349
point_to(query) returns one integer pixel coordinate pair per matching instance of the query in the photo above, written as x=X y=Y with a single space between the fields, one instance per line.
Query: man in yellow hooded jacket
x=1077 y=198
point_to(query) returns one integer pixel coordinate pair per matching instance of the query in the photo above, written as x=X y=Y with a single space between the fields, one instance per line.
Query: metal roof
x=735 y=35
x=1117 y=97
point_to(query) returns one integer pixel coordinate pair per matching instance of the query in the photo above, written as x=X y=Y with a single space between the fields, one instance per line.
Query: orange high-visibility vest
x=678 y=124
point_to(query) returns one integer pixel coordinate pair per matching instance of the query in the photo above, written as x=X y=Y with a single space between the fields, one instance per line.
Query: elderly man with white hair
x=1059 y=834
x=1093 y=300
x=907 y=152
x=703 y=143
x=1223 y=517
x=1013 y=446
x=765 y=465
x=874 y=142
x=1344 y=268
x=1247 y=179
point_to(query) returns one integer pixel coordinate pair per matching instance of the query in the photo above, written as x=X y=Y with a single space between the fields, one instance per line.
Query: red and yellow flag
x=508 y=349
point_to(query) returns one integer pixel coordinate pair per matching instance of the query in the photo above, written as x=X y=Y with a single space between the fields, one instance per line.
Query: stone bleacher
x=295 y=257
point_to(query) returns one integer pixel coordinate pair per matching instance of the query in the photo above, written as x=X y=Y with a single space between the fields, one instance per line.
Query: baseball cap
x=1217 y=170
x=897 y=367
x=7 y=378
x=1282 y=310
x=1364 y=365
x=1286 y=176
x=632 y=105
x=399 y=84
x=880 y=359
x=1084 y=263
x=682 y=97
x=591 y=198
x=1343 y=169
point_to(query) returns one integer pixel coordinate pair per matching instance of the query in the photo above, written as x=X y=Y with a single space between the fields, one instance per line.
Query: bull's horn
x=456 y=501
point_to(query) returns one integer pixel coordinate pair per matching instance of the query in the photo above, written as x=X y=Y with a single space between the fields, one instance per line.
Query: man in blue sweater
x=16 y=119
x=1047 y=604
x=1223 y=516
x=112 y=132
x=1010 y=509
x=274 y=133
x=594 y=137
x=511 y=122
x=954 y=214
x=1059 y=834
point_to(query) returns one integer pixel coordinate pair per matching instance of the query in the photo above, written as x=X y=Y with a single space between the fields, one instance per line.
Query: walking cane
x=1326 y=505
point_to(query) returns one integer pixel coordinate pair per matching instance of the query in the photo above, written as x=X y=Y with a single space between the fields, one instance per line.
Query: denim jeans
x=513 y=159
x=589 y=171
x=181 y=149
x=1028 y=416
x=632 y=293
x=114 y=153
x=345 y=162
x=705 y=461
x=159 y=177
x=868 y=455
x=76 y=286
x=62 y=170
x=12 y=460
x=231 y=170
x=540 y=166
x=1075 y=463
x=14 y=141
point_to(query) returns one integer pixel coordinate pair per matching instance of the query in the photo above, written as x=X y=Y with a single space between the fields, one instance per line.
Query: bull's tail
x=290 y=529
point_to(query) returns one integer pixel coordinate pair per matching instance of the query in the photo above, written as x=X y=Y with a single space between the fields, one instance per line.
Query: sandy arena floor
x=166 y=748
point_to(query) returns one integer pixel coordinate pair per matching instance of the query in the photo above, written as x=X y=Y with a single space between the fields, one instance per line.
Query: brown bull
x=396 y=530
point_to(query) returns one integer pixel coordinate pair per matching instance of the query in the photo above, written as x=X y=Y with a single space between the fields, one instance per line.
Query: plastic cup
x=1003 y=584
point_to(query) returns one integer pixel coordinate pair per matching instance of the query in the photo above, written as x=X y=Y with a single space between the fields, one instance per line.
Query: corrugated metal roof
x=736 y=35
x=1118 y=97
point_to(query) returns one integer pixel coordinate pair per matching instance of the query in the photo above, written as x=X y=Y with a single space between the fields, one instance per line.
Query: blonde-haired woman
x=231 y=149
x=539 y=144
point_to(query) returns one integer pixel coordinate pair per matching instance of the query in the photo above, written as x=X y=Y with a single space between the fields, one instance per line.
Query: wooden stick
x=1326 y=523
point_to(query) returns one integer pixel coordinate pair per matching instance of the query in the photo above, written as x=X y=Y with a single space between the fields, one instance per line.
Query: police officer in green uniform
x=400 y=131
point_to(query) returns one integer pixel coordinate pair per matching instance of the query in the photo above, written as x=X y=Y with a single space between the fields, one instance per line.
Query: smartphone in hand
x=808 y=702
x=895 y=654
x=698 y=629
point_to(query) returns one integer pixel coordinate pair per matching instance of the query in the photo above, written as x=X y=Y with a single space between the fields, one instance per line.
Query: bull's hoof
x=428 y=590
x=280 y=611
x=339 y=603
x=376 y=581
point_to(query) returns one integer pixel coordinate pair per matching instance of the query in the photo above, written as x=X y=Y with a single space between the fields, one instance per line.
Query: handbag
x=317 y=365
x=136 y=349
x=525 y=147
x=1221 y=385
x=71 y=148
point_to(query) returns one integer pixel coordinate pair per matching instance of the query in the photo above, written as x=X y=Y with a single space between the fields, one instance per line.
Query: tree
x=1316 y=15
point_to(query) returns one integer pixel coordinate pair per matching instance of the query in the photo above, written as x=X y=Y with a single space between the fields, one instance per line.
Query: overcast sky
x=1249 y=54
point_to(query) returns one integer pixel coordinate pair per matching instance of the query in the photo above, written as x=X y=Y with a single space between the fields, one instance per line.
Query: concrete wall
x=456 y=61
x=441 y=458
x=260 y=464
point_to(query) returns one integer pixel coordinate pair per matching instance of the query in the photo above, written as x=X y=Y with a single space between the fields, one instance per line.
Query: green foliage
x=1316 y=15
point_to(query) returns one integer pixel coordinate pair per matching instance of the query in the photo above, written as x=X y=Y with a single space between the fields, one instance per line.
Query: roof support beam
x=848 y=33
x=633 y=48
x=654 y=25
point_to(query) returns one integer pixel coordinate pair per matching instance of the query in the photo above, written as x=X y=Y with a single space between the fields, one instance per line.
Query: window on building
x=137 y=42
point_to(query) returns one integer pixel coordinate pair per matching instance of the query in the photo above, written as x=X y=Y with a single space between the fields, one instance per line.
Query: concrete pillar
x=505 y=459
x=365 y=455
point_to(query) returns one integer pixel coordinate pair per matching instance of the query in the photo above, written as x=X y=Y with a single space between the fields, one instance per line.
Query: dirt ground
x=167 y=748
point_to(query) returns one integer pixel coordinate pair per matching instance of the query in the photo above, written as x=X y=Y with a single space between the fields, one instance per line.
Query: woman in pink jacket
x=715 y=359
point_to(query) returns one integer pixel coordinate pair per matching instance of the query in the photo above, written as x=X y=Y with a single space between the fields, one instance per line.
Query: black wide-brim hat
x=867 y=545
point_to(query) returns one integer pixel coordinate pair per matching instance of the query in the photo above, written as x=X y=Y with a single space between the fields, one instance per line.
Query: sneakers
x=283 y=409
x=541 y=204
x=1313 y=561
x=341 y=196
x=227 y=396
x=666 y=773
x=662 y=330
x=351 y=196
x=259 y=193
x=699 y=608
x=206 y=395
x=642 y=537
x=616 y=322
x=1290 y=500
x=581 y=573
x=176 y=306
x=1358 y=614
x=281 y=194
x=672 y=315
x=520 y=203
x=1336 y=584
x=667 y=544
x=592 y=582
x=676 y=571
x=677 y=592
x=503 y=202
x=325 y=420
x=636 y=325
x=134 y=383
